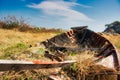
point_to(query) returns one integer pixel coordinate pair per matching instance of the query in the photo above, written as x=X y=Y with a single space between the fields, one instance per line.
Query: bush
x=11 y=22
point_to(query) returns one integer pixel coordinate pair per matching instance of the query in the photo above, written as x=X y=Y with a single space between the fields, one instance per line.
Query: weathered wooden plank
x=8 y=65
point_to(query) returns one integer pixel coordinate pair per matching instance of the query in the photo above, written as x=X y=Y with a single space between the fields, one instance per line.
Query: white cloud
x=62 y=10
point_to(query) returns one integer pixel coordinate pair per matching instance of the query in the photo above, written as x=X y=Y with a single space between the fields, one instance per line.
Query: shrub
x=11 y=22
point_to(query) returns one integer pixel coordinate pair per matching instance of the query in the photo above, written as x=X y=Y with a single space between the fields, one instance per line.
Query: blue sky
x=63 y=13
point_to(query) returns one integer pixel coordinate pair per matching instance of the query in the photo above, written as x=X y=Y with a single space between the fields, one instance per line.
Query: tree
x=113 y=27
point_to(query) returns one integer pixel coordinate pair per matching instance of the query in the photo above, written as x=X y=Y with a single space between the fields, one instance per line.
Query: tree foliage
x=113 y=27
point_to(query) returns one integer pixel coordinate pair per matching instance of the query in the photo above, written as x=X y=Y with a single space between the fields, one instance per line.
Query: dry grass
x=13 y=42
x=86 y=69
x=9 y=37
x=16 y=45
x=40 y=74
x=114 y=38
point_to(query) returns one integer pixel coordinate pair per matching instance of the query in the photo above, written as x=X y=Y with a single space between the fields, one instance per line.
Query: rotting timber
x=75 y=40
x=80 y=38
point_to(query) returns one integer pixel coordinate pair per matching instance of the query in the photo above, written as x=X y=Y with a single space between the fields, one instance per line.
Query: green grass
x=10 y=50
x=118 y=45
